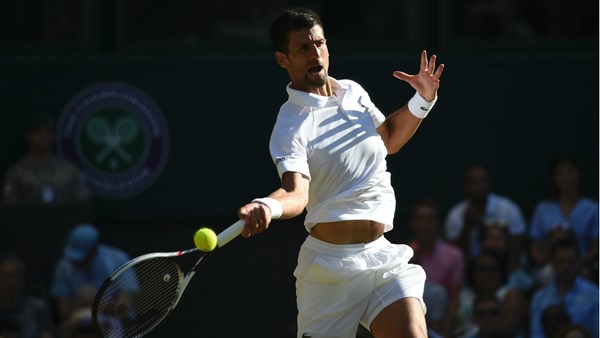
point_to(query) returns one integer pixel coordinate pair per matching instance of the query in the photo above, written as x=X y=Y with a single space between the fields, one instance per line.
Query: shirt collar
x=305 y=99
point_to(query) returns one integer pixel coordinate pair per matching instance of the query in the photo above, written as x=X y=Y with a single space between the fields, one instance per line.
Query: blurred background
x=520 y=84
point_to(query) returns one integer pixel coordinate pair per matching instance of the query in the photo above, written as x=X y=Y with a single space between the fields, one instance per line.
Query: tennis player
x=329 y=145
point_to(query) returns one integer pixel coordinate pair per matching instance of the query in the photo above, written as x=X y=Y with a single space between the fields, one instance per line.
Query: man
x=465 y=219
x=21 y=315
x=487 y=315
x=331 y=138
x=41 y=177
x=579 y=296
x=86 y=262
x=443 y=262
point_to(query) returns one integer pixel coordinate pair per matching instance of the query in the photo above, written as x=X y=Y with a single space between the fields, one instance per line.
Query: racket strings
x=139 y=298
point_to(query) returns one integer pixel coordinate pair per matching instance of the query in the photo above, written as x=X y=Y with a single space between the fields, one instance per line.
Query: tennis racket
x=142 y=292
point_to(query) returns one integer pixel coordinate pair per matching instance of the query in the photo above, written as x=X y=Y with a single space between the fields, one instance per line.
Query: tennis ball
x=205 y=239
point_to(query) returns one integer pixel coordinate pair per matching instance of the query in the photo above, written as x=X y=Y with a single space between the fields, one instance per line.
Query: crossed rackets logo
x=112 y=137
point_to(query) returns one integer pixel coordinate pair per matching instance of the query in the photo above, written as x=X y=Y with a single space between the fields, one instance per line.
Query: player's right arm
x=292 y=195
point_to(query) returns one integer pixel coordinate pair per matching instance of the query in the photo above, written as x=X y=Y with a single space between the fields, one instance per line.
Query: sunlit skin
x=307 y=61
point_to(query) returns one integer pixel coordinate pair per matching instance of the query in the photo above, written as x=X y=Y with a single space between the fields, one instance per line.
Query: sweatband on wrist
x=273 y=204
x=420 y=107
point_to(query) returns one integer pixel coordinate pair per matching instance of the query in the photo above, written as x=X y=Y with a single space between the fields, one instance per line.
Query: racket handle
x=230 y=233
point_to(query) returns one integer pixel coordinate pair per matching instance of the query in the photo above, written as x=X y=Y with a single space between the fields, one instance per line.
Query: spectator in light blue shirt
x=579 y=296
x=565 y=208
x=86 y=261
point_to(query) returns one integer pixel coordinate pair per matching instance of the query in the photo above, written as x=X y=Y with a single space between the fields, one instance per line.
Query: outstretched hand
x=427 y=81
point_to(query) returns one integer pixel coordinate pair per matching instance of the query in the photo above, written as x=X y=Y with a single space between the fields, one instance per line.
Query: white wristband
x=273 y=204
x=420 y=107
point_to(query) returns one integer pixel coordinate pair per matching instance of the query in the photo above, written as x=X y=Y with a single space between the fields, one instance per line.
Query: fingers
x=431 y=65
x=424 y=60
x=438 y=72
x=256 y=219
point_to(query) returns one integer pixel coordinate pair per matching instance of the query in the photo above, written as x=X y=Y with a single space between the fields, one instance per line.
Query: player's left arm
x=401 y=125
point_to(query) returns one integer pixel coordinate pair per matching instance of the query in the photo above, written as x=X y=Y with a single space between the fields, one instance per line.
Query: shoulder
x=457 y=209
x=505 y=202
x=451 y=250
x=112 y=252
x=589 y=203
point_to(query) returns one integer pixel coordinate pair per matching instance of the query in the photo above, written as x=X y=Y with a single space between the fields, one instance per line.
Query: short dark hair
x=291 y=19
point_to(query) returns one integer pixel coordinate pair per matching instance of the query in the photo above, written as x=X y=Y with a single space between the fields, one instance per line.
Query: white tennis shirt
x=334 y=143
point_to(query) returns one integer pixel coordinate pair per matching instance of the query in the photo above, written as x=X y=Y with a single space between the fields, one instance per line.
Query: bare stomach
x=348 y=232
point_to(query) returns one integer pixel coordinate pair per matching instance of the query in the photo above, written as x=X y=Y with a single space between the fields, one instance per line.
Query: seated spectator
x=436 y=300
x=555 y=318
x=494 y=237
x=21 y=315
x=41 y=177
x=86 y=261
x=486 y=276
x=566 y=207
x=487 y=315
x=573 y=331
x=465 y=219
x=79 y=325
x=443 y=262
x=579 y=296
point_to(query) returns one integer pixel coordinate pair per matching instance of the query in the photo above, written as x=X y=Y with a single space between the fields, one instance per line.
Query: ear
x=281 y=59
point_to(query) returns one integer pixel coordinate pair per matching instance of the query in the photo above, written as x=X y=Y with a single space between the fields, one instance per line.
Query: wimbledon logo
x=117 y=135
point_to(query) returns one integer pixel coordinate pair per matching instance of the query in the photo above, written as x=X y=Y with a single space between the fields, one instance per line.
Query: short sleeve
x=288 y=145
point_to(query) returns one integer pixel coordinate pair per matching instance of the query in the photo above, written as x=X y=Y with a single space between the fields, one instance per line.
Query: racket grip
x=230 y=233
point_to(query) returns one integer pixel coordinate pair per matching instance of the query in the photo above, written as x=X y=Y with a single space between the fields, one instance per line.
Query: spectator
x=79 y=325
x=21 y=315
x=565 y=207
x=465 y=219
x=41 y=177
x=487 y=315
x=494 y=237
x=579 y=295
x=486 y=276
x=436 y=300
x=86 y=261
x=573 y=331
x=443 y=262
x=555 y=319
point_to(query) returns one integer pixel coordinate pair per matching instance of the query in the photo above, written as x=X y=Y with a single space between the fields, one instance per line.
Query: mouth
x=315 y=70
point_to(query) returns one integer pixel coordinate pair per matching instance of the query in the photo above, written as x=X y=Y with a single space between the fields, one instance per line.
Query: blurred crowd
x=194 y=22
x=491 y=272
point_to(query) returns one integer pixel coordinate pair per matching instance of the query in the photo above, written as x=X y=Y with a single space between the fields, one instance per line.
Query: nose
x=315 y=52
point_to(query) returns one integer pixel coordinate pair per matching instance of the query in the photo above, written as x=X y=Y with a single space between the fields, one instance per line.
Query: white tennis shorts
x=341 y=286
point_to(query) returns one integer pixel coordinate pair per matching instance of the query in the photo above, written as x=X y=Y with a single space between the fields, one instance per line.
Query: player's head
x=299 y=42
x=292 y=19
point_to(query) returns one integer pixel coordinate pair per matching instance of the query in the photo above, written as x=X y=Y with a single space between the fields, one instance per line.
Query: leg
x=402 y=319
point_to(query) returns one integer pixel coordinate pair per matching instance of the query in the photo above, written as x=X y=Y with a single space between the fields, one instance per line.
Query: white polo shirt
x=334 y=143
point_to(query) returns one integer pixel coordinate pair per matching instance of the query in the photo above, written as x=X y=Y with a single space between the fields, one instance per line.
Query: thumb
x=401 y=75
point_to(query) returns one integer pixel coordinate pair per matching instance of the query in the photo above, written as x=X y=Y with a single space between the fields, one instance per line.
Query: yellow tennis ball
x=205 y=239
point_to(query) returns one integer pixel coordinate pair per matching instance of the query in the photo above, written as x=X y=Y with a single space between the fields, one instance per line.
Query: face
x=307 y=60
x=11 y=280
x=565 y=264
x=424 y=221
x=41 y=138
x=566 y=177
x=487 y=315
x=486 y=274
x=494 y=239
x=476 y=184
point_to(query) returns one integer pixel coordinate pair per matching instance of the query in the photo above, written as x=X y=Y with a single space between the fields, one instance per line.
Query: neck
x=568 y=196
x=40 y=157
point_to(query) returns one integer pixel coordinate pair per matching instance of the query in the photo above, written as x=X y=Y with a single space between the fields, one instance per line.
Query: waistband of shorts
x=342 y=249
